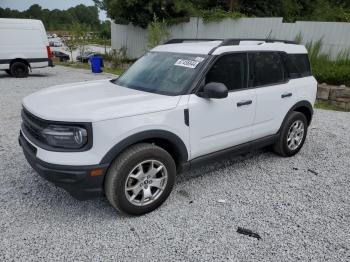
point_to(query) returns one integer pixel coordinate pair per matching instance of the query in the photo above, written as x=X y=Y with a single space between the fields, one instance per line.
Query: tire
x=8 y=72
x=285 y=145
x=136 y=162
x=19 y=70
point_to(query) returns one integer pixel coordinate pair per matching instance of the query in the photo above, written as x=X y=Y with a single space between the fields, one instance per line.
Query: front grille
x=33 y=125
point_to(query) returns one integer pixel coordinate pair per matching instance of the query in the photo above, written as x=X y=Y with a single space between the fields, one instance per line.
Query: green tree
x=82 y=35
x=140 y=13
x=290 y=10
x=105 y=30
x=87 y=15
x=34 y=11
x=8 y=13
x=71 y=44
x=58 y=19
x=324 y=10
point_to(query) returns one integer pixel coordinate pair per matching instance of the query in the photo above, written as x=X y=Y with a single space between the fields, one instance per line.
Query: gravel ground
x=300 y=206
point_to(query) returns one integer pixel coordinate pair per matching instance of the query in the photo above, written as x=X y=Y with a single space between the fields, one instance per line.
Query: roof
x=20 y=23
x=188 y=48
x=216 y=47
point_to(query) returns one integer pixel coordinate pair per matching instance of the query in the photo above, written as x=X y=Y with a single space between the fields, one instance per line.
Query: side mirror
x=214 y=90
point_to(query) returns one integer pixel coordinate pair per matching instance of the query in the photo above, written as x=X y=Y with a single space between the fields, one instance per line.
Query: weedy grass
x=115 y=71
x=328 y=106
x=325 y=68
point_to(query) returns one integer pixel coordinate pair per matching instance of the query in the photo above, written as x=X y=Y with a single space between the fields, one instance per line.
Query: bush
x=325 y=69
x=332 y=72
x=118 y=57
x=217 y=15
x=157 y=32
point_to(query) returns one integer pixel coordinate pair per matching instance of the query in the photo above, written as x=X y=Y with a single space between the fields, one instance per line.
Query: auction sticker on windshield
x=187 y=63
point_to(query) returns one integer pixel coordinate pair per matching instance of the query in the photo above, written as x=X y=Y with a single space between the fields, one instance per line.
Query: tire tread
x=279 y=146
x=113 y=177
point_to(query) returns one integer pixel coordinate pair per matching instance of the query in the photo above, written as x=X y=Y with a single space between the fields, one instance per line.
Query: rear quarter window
x=298 y=65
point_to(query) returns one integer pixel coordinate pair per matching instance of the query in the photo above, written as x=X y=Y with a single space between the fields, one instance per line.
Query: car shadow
x=36 y=75
x=217 y=165
x=39 y=75
x=58 y=199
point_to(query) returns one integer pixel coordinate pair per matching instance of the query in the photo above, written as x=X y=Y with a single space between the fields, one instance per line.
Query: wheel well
x=164 y=139
x=167 y=146
x=306 y=111
x=20 y=60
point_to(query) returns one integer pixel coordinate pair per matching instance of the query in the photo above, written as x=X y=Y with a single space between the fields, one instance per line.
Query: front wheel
x=140 y=179
x=292 y=135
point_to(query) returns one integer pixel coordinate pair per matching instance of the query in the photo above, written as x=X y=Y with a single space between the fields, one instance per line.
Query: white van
x=23 y=46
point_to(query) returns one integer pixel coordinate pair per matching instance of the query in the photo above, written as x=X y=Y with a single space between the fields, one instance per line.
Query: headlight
x=71 y=137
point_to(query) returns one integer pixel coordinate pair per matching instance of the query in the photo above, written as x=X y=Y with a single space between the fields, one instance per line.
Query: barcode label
x=187 y=63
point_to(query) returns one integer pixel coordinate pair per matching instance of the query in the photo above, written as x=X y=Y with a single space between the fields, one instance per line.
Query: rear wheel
x=140 y=179
x=292 y=135
x=19 y=70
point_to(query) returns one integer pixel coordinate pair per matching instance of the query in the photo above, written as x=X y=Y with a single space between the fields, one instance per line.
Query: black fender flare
x=22 y=60
x=146 y=135
x=303 y=103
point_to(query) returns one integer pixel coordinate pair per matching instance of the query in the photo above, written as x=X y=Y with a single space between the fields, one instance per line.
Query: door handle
x=244 y=103
x=286 y=95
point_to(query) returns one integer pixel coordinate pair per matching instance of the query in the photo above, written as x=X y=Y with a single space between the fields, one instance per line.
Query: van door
x=217 y=124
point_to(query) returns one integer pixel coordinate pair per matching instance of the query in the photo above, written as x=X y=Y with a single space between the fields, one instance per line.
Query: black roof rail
x=236 y=41
x=226 y=42
x=181 y=40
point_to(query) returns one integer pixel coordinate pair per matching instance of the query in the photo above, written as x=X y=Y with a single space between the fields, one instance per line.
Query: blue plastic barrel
x=96 y=64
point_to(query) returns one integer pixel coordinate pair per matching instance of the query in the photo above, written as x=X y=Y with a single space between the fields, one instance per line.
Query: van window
x=266 y=68
x=230 y=70
x=298 y=65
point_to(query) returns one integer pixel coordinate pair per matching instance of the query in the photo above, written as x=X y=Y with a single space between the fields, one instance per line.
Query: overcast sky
x=49 y=4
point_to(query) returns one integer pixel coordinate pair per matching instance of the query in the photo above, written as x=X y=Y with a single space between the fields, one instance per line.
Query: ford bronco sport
x=181 y=103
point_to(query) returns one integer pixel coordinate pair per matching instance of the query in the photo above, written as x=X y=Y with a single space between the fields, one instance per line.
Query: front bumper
x=74 y=179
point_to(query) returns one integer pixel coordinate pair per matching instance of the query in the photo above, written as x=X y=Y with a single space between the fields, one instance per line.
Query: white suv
x=183 y=102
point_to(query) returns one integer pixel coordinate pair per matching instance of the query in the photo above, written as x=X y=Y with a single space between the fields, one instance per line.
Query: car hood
x=94 y=101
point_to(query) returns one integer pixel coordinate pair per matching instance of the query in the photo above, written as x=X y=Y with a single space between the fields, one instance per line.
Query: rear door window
x=266 y=68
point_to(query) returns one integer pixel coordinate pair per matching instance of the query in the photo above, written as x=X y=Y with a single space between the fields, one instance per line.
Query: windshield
x=162 y=73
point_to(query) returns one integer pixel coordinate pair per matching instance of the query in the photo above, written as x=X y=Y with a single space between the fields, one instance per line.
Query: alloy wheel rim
x=146 y=182
x=295 y=135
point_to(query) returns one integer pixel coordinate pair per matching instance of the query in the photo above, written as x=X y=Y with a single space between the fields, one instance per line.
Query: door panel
x=271 y=108
x=275 y=94
x=216 y=124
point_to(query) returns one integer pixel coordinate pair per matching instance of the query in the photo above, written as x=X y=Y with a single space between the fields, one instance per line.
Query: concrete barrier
x=338 y=96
